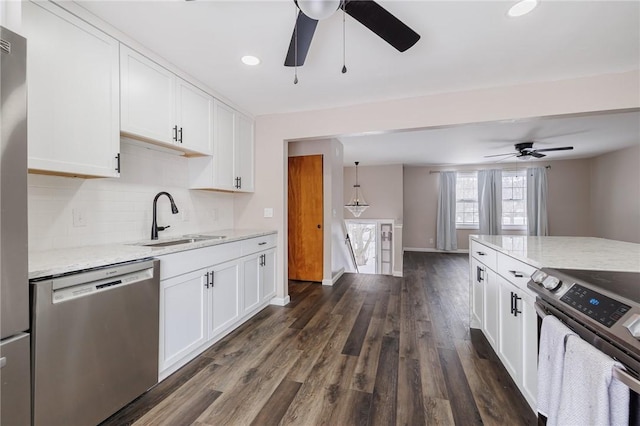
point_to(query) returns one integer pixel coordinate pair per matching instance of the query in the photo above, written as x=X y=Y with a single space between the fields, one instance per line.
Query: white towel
x=590 y=394
x=553 y=334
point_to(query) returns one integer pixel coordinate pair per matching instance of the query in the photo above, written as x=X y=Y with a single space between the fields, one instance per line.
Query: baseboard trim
x=434 y=250
x=337 y=276
x=280 y=301
x=328 y=282
x=397 y=274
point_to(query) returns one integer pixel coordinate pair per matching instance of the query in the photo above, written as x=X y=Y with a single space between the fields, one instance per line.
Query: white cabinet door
x=244 y=153
x=477 y=278
x=490 y=307
x=529 y=385
x=268 y=285
x=73 y=105
x=223 y=153
x=183 y=312
x=194 y=113
x=147 y=97
x=224 y=297
x=251 y=282
x=510 y=337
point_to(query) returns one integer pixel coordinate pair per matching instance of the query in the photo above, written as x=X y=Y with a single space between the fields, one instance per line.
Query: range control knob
x=633 y=325
x=538 y=276
x=551 y=283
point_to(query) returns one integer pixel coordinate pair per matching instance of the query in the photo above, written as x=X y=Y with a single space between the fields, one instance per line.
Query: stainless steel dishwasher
x=95 y=342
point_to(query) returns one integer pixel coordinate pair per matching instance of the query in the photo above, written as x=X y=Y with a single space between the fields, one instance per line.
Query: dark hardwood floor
x=372 y=350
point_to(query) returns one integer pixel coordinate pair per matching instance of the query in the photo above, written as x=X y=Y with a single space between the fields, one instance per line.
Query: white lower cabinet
x=183 y=313
x=500 y=301
x=224 y=296
x=259 y=281
x=490 y=319
x=206 y=293
x=476 y=292
x=510 y=335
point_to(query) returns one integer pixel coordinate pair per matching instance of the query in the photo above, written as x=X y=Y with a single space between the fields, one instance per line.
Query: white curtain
x=537 y=202
x=490 y=201
x=446 y=238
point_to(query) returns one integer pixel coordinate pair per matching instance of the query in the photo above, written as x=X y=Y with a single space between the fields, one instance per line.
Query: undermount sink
x=185 y=240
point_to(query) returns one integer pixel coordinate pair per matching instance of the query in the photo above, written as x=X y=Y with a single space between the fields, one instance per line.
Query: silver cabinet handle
x=206 y=284
x=481 y=253
x=3 y=361
x=213 y=280
x=262 y=243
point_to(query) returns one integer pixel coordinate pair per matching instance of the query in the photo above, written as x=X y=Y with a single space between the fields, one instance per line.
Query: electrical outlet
x=79 y=217
x=430 y=240
x=268 y=212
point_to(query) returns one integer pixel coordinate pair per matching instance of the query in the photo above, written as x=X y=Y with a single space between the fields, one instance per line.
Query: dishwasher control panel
x=73 y=292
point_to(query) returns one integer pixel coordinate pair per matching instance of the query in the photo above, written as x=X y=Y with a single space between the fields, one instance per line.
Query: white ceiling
x=465 y=45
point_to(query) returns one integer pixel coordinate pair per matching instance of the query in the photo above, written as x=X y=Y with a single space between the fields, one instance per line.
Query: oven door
x=630 y=379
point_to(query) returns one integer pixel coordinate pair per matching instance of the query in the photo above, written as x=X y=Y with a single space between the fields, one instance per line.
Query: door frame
x=379 y=223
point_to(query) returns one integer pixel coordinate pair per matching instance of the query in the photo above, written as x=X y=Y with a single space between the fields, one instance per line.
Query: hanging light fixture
x=357 y=204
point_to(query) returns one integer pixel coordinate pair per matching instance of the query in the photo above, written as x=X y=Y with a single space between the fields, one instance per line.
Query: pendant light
x=357 y=204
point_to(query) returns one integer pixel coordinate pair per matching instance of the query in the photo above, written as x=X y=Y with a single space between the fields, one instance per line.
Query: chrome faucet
x=154 y=225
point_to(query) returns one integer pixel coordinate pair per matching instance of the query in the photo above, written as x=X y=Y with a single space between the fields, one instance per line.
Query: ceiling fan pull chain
x=295 y=49
x=344 y=38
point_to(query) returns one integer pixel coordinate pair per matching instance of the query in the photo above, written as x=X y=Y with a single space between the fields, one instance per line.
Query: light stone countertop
x=587 y=253
x=61 y=261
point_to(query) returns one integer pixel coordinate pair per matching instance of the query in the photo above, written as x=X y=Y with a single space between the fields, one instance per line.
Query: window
x=467 y=200
x=514 y=199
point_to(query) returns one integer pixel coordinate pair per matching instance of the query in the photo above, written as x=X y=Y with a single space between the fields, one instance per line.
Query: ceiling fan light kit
x=318 y=9
x=522 y=8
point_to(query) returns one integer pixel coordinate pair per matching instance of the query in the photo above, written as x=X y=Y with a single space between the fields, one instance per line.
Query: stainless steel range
x=602 y=307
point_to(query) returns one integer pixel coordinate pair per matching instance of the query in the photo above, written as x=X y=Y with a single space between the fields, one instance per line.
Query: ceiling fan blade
x=383 y=23
x=306 y=27
x=561 y=148
x=498 y=155
x=536 y=154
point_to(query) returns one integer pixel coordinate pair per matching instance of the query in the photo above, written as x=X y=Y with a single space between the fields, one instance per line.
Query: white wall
x=568 y=204
x=615 y=195
x=272 y=132
x=381 y=187
x=120 y=209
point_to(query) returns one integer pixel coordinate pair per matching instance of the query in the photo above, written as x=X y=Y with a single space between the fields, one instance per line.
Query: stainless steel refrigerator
x=15 y=377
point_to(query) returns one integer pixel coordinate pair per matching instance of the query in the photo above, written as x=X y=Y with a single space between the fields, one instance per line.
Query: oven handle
x=630 y=381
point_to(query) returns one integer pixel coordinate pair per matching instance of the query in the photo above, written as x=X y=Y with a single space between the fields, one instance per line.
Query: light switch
x=268 y=212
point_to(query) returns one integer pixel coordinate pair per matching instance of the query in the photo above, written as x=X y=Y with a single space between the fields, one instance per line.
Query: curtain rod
x=507 y=170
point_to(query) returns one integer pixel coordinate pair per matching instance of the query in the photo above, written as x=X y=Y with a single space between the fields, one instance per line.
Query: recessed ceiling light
x=250 y=60
x=522 y=8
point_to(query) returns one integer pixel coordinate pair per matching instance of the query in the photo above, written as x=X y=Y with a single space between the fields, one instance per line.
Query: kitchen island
x=501 y=305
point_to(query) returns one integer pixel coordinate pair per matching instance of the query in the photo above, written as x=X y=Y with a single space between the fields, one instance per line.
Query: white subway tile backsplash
x=120 y=210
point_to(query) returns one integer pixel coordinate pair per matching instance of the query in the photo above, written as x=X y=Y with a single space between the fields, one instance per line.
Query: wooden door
x=305 y=218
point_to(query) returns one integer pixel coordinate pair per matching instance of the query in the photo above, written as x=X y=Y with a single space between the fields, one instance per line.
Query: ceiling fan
x=367 y=12
x=524 y=150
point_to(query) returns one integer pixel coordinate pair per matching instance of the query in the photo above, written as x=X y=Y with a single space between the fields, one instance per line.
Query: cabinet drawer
x=182 y=262
x=484 y=254
x=516 y=272
x=253 y=245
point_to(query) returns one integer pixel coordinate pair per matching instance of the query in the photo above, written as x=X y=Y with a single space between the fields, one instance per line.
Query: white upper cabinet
x=244 y=153
x=231 y=167
x=159 y=107
x=73 y=102
x=194 y=117
x=147 y=98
